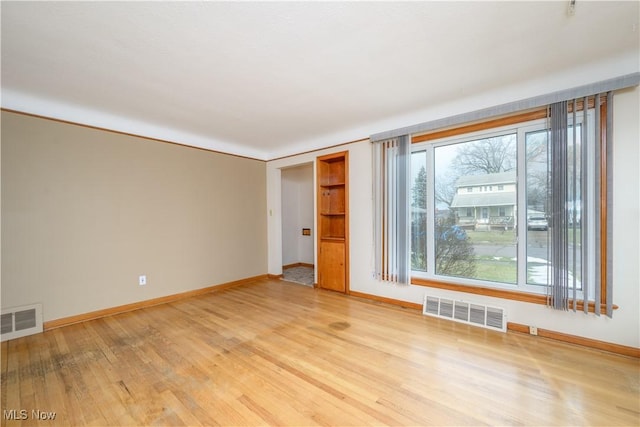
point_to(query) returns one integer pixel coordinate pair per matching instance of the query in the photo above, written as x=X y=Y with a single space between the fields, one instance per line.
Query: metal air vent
x=465 y=312
x=21 y=321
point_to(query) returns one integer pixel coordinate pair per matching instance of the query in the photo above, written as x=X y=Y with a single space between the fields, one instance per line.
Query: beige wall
x=85 y=212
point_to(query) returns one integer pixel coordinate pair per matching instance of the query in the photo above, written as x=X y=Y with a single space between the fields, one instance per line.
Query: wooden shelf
x=331 y=171
x=332 y=226
x=332 y=199
x=333 y=239
x=333 y=222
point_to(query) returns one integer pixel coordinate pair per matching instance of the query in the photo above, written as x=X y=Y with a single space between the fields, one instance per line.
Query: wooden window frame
x=536 y=114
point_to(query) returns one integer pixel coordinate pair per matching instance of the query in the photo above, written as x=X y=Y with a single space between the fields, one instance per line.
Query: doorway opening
x=298 y=224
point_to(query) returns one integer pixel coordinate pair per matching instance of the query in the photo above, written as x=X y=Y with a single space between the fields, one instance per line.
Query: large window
x=480 y=207
x=511 y=201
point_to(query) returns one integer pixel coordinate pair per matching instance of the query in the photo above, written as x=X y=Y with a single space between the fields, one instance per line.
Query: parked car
x=537 y=223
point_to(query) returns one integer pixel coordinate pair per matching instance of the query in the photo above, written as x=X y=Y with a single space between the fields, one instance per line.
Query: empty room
x=320 y=213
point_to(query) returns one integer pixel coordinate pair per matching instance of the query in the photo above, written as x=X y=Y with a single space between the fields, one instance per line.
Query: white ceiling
x=269 y=79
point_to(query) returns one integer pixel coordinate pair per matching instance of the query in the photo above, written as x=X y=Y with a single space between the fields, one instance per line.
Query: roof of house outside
x=487 y=179
x=463 y=200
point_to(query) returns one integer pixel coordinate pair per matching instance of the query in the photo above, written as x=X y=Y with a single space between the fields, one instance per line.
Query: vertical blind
x=578 y=151
x=391 y=164
x=558 y=292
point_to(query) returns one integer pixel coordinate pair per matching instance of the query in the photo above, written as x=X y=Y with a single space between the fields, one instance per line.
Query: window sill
x=501 y=293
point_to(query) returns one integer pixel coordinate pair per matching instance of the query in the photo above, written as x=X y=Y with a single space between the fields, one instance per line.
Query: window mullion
x=431 y=247
x=521 y=209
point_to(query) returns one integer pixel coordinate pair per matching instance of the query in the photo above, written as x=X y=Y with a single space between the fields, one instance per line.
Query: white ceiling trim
x=20 y=102
x=597 y=71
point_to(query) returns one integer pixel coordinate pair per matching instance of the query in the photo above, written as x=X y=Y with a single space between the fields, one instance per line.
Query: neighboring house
x=485 y=202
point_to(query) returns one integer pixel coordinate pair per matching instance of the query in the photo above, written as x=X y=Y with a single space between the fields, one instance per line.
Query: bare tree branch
x=486 y=156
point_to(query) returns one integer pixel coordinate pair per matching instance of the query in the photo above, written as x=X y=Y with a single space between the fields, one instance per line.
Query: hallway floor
x=300 y=274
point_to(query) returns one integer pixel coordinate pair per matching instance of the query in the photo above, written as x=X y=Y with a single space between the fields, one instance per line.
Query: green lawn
x=496 y=269
x=578 y=235
x=493 y=237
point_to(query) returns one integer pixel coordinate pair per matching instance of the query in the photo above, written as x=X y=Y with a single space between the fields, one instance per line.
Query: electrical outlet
x=533 y=330
x=142 y=280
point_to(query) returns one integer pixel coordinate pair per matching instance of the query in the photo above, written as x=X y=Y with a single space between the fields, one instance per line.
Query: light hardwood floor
x=285 y=354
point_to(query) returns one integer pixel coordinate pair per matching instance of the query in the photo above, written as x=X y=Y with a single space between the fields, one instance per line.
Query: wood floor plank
x=275 y=353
